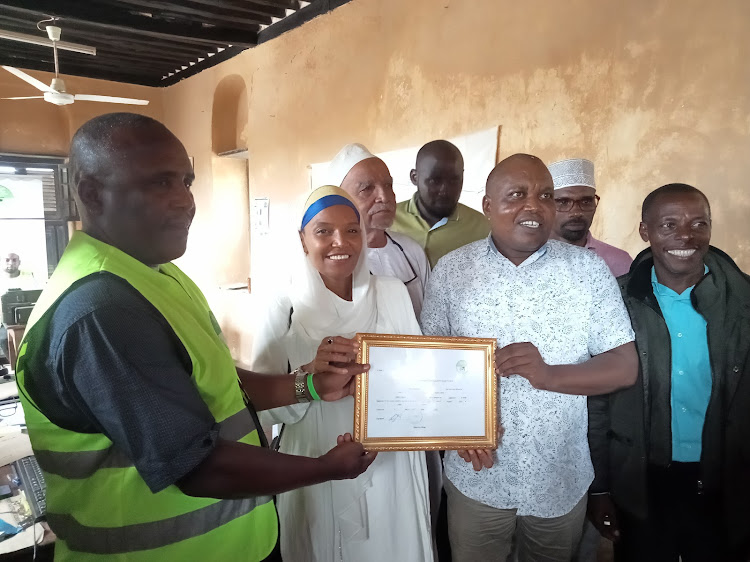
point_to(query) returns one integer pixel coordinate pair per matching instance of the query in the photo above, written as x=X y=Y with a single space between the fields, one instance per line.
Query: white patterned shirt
x=564 y=300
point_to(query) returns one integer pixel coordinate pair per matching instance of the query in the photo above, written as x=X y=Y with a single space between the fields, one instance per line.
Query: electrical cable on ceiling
x=52 y=19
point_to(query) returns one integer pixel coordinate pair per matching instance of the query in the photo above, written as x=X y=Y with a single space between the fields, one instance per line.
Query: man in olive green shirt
x=433 y=216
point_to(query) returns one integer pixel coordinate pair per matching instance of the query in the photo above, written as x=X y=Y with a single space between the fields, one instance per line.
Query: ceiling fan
x=55 y=92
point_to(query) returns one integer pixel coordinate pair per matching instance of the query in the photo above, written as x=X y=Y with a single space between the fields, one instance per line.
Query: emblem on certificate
x=426 y=393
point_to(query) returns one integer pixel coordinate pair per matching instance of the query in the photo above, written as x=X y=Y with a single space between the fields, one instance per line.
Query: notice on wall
x=259 y=221
x=479 y=150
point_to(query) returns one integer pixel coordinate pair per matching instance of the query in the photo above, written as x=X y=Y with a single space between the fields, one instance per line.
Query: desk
x=15 y=335
x=45 y=549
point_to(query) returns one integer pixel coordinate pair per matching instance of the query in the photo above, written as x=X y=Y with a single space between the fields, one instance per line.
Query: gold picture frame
x=390 y=401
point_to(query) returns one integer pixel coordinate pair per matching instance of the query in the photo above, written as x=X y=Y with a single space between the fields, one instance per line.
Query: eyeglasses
x=414 y=273
x=564 y=204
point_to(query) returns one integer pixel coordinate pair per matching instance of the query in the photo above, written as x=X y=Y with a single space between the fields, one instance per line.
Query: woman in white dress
x=383 y=515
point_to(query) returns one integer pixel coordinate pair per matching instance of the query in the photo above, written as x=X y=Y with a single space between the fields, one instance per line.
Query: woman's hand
x=335 y=368
x=333 y=355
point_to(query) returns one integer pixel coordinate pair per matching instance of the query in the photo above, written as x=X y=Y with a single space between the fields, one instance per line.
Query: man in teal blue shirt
x=671 y=454
x=691 y=368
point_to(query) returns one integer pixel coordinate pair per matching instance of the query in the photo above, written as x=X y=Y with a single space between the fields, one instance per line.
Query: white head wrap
x=318 y=312
x=576 y=171
x=345 y=160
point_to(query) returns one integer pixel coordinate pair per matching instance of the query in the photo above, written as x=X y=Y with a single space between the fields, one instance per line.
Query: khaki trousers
x=480 y=532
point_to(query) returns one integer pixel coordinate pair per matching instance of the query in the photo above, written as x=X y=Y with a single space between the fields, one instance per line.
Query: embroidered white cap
x=575 y=171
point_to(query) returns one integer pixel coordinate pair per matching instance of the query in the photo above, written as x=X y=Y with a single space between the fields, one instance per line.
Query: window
x=24 y=226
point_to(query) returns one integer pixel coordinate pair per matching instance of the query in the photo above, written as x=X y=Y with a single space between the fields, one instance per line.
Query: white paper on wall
x=260 y=215
x=479 y=151
x=272 y=264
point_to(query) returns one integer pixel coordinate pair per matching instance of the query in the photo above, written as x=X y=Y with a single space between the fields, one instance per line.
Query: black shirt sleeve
x=122 y=371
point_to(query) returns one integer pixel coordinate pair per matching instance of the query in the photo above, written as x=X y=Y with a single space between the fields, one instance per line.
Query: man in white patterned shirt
x=563 y=333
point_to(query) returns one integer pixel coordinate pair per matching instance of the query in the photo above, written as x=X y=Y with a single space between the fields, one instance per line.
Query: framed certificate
x=426 y=393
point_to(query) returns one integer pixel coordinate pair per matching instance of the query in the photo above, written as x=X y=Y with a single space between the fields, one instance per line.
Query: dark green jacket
x=619 y=422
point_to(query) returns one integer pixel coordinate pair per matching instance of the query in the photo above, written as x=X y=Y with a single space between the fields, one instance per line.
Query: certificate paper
x=426 y=393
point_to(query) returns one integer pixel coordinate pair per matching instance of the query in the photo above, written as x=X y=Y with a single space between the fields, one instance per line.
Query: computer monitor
x=17 y=305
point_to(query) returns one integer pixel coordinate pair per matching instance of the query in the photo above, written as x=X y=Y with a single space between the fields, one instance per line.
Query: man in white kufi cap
x=367 y=179
x=576 y=201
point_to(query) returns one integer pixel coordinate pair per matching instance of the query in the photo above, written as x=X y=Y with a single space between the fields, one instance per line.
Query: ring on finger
x=330 y=341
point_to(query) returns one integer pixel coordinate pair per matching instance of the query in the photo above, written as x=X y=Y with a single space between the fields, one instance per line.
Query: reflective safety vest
x=97 y=504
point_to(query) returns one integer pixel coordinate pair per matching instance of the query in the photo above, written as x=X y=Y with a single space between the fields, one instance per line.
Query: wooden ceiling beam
x=228 y=7
x=128 y=45
x=191 y=11
x=90 y=14
x=139 y=39
x=44 y=56
x=226 y=54
x=42 y=62
x=129 y=56
x=121 y=45
x=285 y=4
x=314 y=9
x=86 y=71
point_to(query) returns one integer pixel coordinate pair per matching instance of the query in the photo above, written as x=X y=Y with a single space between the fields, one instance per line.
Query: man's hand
x=602 y=514
x=479 y=458
x=335 y=368
x=525 y=360
x=245 y=470
x=347 y=459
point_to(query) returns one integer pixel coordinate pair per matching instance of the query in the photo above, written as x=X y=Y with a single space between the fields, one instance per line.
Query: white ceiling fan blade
x=110 y=99
x=25 y=98
x=38 y=84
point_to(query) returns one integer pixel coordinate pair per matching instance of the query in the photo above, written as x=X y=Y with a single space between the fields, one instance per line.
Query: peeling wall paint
x=652 y=91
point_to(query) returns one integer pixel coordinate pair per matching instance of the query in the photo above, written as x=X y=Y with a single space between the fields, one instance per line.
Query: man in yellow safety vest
x=144 y=428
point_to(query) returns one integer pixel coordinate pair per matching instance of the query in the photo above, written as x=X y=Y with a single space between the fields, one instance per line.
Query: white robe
x=383 y=515
x=402 y=257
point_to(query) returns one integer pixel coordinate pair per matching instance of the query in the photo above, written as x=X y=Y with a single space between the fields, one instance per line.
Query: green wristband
x=311 y=387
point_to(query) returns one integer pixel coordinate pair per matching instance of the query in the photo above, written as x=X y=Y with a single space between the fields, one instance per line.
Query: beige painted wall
x=654 y=91
x=38 y=127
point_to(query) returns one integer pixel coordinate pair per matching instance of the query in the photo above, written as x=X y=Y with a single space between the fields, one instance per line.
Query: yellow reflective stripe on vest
x=83 y=464
x=154 y=534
